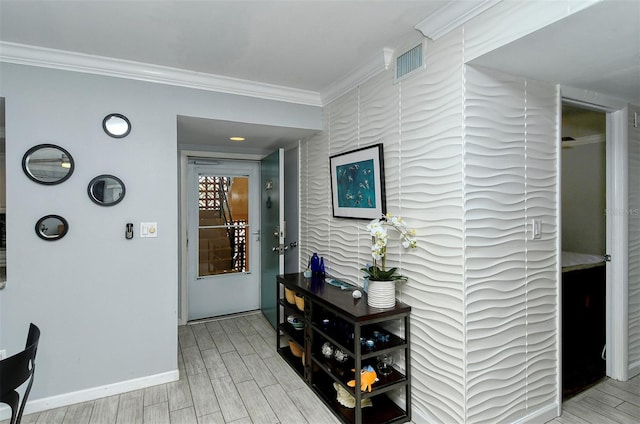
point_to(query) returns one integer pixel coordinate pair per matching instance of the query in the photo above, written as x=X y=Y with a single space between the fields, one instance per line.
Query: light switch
x=148 y=229
x=536 y=232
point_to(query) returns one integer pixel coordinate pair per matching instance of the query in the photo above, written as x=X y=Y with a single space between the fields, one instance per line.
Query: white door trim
x=185 y=155
x=617 y=316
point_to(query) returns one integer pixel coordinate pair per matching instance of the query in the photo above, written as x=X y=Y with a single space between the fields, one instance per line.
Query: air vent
x=409 y=62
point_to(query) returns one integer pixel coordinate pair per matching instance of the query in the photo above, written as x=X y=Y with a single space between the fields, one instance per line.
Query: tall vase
x=381 y=294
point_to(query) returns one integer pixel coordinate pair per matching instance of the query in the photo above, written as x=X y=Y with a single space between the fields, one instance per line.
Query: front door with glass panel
x=223 y=239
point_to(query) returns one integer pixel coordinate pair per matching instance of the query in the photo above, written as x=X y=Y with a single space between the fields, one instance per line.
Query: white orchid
x=379 y=236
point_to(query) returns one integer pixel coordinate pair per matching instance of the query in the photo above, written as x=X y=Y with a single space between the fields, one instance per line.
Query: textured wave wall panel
x=634 y=243
x=495 y=261
x=419 y=123
x=511 y=163
x=469 y=159
x=315 y=193
x=430 y=198
x=542 y=163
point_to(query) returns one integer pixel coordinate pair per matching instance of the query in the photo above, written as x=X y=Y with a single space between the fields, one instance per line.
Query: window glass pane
x=223 y=218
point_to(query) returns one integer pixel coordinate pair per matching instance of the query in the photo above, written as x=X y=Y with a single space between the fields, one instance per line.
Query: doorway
x=223 y=239
x=584 y=247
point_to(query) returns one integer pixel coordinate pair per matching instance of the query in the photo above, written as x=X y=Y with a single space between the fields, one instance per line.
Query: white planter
x=381 y=294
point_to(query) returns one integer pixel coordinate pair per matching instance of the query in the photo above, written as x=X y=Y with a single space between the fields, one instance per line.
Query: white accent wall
x=470 y=157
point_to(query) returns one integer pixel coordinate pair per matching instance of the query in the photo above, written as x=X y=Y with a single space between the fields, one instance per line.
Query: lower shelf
x=294 y=361
x=382 y=411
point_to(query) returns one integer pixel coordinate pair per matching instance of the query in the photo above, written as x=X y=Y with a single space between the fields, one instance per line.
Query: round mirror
x=106 y=190
x=116 y=125
x=51 y=227
x=47 y=164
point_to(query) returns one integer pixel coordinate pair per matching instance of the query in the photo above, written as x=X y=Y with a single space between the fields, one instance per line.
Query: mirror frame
x=119 y=116
x=102 y=203
x=34 y=149
x=58 y=236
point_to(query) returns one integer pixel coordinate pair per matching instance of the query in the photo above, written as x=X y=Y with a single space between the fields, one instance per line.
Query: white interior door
x=223 y=238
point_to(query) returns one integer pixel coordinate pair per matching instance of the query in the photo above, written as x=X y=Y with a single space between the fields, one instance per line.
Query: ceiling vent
x=410 y=62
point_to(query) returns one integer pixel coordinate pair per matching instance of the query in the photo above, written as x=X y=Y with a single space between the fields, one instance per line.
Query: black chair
x=17 y=369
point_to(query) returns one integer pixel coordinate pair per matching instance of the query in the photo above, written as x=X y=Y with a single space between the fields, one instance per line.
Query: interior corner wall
x=107 y=306
x=511 y=284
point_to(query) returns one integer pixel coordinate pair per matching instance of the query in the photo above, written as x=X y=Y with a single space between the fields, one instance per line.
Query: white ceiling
x=310 y=45
x=301 y=44
x=596 y=49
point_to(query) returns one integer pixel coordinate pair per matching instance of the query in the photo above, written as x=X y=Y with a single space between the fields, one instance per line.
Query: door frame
x=617 y=174
x=183 y=263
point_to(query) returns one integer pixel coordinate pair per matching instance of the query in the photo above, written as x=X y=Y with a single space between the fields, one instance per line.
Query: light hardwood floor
x=230 y=373
x=608 y=402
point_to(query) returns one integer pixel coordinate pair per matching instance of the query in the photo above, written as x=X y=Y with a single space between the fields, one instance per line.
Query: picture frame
x=357 y=183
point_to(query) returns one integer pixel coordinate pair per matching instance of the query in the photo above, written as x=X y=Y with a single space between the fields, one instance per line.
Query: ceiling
x=596 y=49
x=309 y=45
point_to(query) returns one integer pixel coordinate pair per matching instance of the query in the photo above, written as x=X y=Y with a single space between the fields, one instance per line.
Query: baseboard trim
x=542 y=415
x=65 y=399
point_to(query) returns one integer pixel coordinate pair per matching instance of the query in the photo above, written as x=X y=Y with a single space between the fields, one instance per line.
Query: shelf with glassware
x=342 y=334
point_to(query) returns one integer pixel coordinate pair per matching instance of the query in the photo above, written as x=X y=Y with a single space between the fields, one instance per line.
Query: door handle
x=280 y=249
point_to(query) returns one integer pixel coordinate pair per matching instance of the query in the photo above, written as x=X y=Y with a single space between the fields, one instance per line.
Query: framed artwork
x=357 y=183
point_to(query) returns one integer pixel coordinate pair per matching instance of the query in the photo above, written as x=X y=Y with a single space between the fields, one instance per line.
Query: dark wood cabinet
x=337 y=334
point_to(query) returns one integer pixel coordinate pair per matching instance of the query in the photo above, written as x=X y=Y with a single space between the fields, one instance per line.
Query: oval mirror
x=51 y=227
x=106 y=190
x=47 y=164
x=116 y=125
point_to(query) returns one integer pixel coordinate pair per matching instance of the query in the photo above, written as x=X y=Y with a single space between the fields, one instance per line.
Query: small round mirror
x=47 y=164
x=51 y=227
x=106 y=190
x=116 y=125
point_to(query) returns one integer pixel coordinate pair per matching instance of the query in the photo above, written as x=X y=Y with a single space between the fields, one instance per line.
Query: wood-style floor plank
x=155 y=394
x=131 y=408
x=256 y=404
x=230 y=373
x=183 y=416
x=204 y=400
x=203 y=337
x=229 y=399
x=52 y=416
x=157 y=413
x=105 y=410
x=236 y=367
x=80 y=413
x=259 y=371
x=282 y=405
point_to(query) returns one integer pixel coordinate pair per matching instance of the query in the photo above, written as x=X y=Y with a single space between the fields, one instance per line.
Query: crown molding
x=22 y=54
x=451 y=16
x=378 y=63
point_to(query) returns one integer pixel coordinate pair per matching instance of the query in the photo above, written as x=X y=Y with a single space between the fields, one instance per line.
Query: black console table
x=337 y=334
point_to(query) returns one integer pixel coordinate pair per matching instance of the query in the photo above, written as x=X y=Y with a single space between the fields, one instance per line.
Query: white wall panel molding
x=77 y=62
x=634 y=241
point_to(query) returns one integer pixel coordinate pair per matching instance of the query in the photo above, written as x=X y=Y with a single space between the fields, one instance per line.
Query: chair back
x=16 y=370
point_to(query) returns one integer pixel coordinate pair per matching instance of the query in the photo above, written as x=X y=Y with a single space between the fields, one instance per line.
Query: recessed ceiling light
x=236 y=138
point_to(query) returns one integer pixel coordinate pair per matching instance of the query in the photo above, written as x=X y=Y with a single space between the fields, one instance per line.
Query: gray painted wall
x=107 y=307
